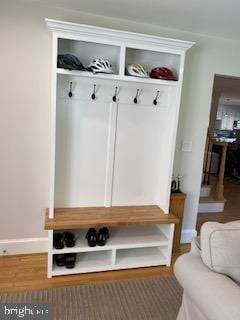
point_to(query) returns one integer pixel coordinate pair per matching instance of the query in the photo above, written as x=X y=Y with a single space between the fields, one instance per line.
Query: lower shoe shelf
x=115 y=259
x=87 y=262
x=139 y=257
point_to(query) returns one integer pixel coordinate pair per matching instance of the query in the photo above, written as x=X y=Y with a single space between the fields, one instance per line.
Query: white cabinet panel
x=137 y=155
x=81 y=150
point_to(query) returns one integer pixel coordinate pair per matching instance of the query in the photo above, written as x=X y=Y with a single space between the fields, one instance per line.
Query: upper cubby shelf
x=120 y=48
x=115 y=77
x=86 y=52
x=152 y=59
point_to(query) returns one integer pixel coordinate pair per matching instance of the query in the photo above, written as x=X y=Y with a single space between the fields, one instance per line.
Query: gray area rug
x=147 y=299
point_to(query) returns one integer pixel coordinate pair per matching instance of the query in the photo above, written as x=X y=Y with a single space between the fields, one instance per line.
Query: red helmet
x=162 y=73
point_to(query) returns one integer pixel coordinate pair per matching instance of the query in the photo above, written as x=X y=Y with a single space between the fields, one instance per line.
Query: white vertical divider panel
x=170 y=244
x=122 y=60
x=52 y=152
x=50 y=253
x=53 y=124
x=170 y=141
x=114 y=257
x=168 y=145
x=110 y=153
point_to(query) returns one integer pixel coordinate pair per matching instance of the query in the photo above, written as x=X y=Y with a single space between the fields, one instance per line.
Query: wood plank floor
x=29 y=272
x=231 y=210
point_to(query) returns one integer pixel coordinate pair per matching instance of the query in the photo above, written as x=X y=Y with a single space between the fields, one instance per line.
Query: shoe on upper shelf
x=92 y=237
x=58 y=241
x=103 y=236
x=69 y=239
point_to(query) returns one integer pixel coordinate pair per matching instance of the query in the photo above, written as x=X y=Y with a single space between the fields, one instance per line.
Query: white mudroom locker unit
x=112 y=159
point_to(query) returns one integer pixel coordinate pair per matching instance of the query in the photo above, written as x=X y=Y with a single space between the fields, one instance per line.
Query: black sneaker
x=69 y=239
x=58 y=241
x=103 y=236
x=70 y=260
x=92 y=237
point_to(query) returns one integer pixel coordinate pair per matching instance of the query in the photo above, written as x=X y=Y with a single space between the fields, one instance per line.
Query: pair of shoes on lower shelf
x=97 y=238
x=60 y=240
x=68 y=260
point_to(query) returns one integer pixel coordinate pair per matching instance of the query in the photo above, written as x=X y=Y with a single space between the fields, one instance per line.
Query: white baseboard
x=22 y=246
x=187 y=235
x=211 y=207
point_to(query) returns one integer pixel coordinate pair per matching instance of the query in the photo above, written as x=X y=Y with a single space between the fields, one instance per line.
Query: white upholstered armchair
x=210 y=274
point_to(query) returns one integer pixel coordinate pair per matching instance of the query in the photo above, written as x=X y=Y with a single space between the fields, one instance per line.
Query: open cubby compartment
x=81 y=243
x=152 y=59
x=141 y=257
x=137 y=237
x=87 y=262
x=86 y=52
x=165 y=230
x=121 y=238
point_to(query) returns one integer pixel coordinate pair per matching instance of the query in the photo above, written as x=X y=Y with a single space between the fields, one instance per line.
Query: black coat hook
x=93 y=96
x=156 y=98
x=135 y=100
x=70 y=94
x=115 y=95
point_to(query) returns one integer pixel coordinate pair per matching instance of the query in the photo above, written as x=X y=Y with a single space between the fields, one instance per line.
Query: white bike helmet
x=136 y=70
x=100 y=66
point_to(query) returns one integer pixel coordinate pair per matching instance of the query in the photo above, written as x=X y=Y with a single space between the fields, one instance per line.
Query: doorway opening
x=220 y=190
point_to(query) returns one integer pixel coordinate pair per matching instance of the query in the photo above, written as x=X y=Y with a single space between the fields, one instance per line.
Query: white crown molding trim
x=113 y=35
x=188 y=235
x=23 y=246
